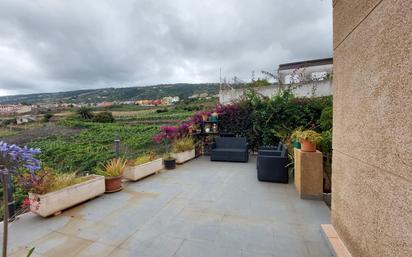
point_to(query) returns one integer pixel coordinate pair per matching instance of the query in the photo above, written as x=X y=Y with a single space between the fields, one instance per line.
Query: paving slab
x=201 y=208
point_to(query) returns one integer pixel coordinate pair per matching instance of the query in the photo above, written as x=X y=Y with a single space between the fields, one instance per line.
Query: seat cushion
x=229 y=150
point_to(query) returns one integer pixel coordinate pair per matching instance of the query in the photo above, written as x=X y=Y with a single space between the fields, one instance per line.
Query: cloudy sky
x=48 y=46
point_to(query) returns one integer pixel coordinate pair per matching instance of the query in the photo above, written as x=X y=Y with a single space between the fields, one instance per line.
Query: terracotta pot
x=307 y=146
x=113 y=184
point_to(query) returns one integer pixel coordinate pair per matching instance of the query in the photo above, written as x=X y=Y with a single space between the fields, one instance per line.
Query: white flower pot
x=54 y=202
x=184 y=156
x=143 y=170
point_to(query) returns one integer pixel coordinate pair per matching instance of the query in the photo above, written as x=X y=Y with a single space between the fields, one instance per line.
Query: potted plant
x=169 y=161
x=295 y=137
x=143 y=166
x=167 y=133
x=308 y=140
x=183 y=149
x=53 y=192
x=113 y=173
x=214 y=117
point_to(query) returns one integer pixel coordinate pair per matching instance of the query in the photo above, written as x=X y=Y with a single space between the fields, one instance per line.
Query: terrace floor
x=203 y=208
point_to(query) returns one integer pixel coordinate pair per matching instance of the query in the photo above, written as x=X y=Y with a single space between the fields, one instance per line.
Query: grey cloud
x=66 y=45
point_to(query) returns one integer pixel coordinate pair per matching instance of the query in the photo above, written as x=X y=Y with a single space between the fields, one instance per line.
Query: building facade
x=305 y=71
x=372 y=127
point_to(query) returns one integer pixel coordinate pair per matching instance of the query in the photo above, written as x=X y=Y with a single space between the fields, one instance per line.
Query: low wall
x=312 y=89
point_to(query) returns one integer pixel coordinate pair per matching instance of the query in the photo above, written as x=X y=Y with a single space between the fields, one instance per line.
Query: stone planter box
x=184 y=156
x=143 y=170
x=54 y=202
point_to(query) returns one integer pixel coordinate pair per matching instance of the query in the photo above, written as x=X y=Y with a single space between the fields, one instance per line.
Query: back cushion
x=230 y=142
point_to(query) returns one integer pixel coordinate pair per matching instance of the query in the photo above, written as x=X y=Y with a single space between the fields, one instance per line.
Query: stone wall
x=372 y=130
x=312 y=89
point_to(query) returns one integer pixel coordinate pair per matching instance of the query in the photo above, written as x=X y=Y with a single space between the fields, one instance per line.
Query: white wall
x=312 y=89
x=304 y=73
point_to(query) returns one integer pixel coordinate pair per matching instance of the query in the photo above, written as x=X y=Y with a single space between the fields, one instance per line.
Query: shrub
x=103 y=117
x=236 y=118
x=182 y=145
x=326 y=119
x=325 y=145
x=85 y=113
x=47 y=117
x=162 y=110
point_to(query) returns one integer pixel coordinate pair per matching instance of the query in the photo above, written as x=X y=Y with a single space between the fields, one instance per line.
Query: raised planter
x=54 y=202
x=143 y=170
x=184 y=156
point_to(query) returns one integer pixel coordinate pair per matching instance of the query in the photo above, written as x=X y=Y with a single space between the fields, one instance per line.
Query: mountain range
x=183 y=90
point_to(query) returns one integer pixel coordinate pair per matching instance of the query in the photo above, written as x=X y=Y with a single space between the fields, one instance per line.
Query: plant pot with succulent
x=113 y=173
x=54 y=191
x=143 y=166
x=295 y=137
x=183 y=149
x=309 y=139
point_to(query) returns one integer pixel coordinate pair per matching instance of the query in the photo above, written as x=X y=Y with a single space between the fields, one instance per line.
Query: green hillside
x=115 y=94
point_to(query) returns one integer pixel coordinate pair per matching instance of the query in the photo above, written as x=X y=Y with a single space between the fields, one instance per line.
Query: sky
x=50 y=46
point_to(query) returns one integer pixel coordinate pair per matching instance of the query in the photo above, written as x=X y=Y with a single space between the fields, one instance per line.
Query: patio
x=202 y=208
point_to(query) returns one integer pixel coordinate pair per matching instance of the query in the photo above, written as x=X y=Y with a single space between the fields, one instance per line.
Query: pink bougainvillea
x=166 y=133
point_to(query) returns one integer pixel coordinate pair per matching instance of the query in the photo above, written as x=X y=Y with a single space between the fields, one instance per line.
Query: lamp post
x=4 y=180
x=117 y=148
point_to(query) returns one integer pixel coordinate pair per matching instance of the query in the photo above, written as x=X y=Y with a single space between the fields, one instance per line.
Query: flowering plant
x=167 y=133
x=183 y=129
x=13 y=157
x=199 y=117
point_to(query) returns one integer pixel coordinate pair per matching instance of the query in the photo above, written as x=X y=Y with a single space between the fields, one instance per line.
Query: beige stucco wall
x=372 y=143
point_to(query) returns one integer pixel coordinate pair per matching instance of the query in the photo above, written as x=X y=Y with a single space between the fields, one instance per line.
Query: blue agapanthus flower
x=13 y=157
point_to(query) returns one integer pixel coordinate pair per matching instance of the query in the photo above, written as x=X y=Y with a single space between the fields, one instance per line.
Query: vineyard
x=70 y=143
x=94 y=145
x=94 y=142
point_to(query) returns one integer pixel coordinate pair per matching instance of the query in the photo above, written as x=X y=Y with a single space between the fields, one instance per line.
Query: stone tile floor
x=203 y=208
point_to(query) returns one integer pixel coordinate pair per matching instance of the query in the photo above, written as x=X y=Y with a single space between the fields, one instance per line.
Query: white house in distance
x=13 y=109
x=310 y=78
x=170 y=100
x=305 y=71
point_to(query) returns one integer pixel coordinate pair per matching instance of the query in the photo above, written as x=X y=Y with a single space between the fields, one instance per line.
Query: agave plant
x=112 y=168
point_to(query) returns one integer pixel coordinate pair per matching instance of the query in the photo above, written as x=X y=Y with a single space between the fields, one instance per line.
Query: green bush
x=85 y=113
x=162 y=110
x=103 y=117
x=266 y=120
x=326 y=119
x=47 y=117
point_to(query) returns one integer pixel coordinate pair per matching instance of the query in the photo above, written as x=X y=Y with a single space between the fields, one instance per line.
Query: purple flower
x=13 y=157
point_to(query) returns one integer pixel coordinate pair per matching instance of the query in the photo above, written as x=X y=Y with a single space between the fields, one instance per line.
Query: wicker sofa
x=231 y=149
x=271 y=164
